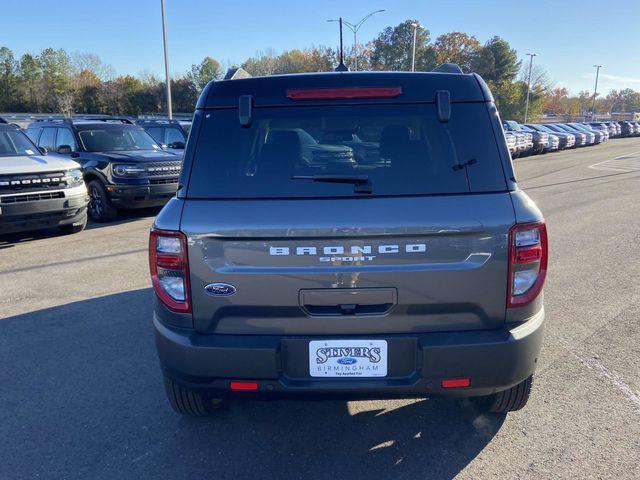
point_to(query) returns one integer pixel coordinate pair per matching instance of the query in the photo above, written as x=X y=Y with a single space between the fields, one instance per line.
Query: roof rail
x=151 y=121
x=54 y=119
x=448 y=68
x=76 y=118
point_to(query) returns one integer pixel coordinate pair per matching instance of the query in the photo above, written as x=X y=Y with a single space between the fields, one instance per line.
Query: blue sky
x=568 y=36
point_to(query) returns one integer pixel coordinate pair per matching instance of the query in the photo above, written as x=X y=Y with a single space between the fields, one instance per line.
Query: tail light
x=170 y=269
x=528 y=254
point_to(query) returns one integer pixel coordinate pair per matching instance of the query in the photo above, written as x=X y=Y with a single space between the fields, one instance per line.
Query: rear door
x=419 y=246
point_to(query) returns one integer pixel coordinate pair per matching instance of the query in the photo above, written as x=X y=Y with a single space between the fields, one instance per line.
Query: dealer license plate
x=348 y=358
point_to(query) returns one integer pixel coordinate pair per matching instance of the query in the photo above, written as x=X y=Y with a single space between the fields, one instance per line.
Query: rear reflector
x=243 y=386
x=346 y=93
x=456 y=383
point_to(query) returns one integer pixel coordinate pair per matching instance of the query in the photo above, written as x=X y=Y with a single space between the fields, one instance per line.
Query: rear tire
x=189 y=402
x=100 y=209
x=71 y=228
x=509 y=400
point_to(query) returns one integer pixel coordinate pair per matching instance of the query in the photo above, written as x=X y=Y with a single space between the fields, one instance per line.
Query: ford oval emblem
x=347 y=361
x=220 y=289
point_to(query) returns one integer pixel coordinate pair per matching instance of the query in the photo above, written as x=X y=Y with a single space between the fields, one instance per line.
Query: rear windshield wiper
x=361 y=182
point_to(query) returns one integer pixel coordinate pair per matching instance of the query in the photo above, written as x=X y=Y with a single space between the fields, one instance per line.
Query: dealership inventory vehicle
x=37 y=190
x=123 y=166
x=565 y=140
x=540 y=140
x=168 y=133
x=581 y=138
x=420 y=275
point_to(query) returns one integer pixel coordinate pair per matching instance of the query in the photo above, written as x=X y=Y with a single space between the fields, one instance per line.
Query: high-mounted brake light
x=343 y=93
x=170 y=269
x=528 y=257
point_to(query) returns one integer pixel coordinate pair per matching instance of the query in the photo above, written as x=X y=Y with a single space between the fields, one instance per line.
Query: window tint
x=65 y=137
x=173 y=135
x=48 y=138
x=114 y=139
x=33 y=133
x=156 y=133
x=397 y=149
x=15 y=142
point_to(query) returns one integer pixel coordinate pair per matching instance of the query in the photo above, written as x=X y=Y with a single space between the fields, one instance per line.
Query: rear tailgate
x=356 y=266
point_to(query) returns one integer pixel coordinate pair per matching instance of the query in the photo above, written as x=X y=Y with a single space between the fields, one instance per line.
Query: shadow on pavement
x=124 y=216
x=81 y=397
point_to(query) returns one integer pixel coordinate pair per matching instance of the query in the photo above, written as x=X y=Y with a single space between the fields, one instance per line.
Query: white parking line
x=594 y=363
x=622 y=163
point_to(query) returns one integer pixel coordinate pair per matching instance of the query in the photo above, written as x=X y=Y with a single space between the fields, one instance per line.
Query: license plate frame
x=344 y=358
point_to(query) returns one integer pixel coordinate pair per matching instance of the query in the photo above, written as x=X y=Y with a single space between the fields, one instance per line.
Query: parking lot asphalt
x=81 y=391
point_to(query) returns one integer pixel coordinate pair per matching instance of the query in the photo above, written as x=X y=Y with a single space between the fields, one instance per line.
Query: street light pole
x=595 y=92
x=526 y=108
x=354 y=27
x=413 y=56
x=166 y=61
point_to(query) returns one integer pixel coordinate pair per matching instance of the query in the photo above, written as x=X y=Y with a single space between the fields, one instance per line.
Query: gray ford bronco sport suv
x=409 y=268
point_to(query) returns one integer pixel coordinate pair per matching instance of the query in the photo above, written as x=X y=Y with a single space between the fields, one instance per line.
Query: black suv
x=123 y=166
x=168 y=133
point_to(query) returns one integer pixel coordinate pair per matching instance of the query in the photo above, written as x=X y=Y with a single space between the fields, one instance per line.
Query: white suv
x=37 y=190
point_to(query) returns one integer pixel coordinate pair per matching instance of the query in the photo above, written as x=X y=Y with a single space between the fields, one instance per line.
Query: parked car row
x=536 y=138
x=59 y=170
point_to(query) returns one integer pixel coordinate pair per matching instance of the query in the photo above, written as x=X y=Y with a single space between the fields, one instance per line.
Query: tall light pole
x=166 y=61
x=526 y=107
x=354 y=27
x=415 y=26
x=595 y=92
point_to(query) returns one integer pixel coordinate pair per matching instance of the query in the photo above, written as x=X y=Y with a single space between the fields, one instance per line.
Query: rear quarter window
x=401 y=149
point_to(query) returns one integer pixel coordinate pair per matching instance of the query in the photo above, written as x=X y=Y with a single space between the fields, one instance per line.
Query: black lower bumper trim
x=493 y=361
x=141 y=196
x=42 y=214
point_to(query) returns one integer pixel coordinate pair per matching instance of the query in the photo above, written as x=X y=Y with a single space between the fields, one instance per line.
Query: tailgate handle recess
x=348 y=301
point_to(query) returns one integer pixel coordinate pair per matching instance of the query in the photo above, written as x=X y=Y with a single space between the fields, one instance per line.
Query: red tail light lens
x=528 y=255
x=345 y=93
x=170 y=269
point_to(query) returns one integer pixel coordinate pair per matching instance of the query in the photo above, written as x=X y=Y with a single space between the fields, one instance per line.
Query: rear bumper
x=493 y=361
x=42 y=214
x=141 y=196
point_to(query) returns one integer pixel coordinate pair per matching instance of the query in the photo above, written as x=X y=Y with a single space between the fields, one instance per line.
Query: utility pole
x=415 y=36
x=341 y=66
x=595 y=92
x=166 y=61
x=354 y=27
x=526 y=108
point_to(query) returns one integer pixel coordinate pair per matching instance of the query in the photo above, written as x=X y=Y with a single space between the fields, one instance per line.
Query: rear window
x=331 y=151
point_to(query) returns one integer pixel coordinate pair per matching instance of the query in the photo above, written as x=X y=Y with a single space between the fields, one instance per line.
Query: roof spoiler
x=448 y=68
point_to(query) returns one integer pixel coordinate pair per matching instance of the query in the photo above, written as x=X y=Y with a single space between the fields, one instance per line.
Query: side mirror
x=177 y=145
x=64 y=149
x=43 y=150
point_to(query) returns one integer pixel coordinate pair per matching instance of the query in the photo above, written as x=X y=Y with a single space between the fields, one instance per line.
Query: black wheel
x=509 y=400
x=189 y=402
x=100 y=210
x=74 y=227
